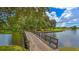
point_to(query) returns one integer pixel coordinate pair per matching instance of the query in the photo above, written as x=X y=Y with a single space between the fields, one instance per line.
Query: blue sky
x=58 y=11
x=65 y=17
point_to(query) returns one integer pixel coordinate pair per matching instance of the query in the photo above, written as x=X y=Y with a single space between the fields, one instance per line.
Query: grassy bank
x=68 y=49
x=17 y=37
x=5 y=32
x=57 y=29
x=53 y=30
x=12 y=48
x=17 y=40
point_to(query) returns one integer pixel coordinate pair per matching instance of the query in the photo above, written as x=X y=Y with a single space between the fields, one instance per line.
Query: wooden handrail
x=55 y=42
x=26 y=42
x=50 y=40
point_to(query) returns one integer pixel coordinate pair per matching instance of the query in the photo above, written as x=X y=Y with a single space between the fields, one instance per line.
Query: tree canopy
x=32 y=19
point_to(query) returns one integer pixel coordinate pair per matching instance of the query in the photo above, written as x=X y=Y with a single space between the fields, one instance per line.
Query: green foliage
x=30 y=19
x=53 y=23
x=26 y=19
x=5 y=32
x=17 y=39
x=73 y=28
x=53 y=30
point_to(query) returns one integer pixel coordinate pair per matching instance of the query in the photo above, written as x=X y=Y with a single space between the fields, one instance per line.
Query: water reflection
x=5 y=39
x=68 y=38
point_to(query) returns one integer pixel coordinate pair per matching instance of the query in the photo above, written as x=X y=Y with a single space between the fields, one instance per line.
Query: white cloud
x=63 y=24
x=60 y=7
x=49 y=15
x=69 y=22
x=68 y=18
x=70 y=8
x=74 y=19
x=52 y=15
x=65 y=14
x=68 y=15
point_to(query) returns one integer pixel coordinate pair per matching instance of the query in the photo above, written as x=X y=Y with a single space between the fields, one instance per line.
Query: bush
x=17 y=39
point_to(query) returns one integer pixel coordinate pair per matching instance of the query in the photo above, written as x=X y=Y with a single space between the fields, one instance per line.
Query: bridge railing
x=26 y=41
x=51 y=41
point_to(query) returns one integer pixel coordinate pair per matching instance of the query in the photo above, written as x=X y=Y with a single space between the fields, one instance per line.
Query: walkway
x=36 y=44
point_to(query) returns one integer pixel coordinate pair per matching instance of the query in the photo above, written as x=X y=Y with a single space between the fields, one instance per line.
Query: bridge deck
x=36 y=44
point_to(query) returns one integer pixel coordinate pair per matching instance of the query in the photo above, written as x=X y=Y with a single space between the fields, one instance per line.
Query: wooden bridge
x=36 y=43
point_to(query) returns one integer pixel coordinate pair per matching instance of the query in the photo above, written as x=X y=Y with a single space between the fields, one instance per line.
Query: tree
x=74 y=28
x=35 y=18
x=53 y=23
x=26 y=18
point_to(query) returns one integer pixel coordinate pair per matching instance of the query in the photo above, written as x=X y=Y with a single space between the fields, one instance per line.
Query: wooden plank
x=36 y=44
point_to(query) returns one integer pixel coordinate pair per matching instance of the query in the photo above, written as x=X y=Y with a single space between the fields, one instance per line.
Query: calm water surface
x=5 y=39
x=69 y=38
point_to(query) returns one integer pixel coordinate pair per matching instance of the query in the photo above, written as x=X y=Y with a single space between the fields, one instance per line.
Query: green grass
x=68 y=49
x=53 y=30
x=5 y=32
x=56 y=29
x=12 y=48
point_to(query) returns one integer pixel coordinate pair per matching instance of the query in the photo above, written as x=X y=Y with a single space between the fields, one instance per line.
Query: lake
x=68 y=38
x=5 y=39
